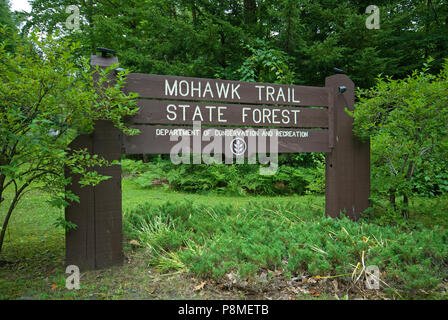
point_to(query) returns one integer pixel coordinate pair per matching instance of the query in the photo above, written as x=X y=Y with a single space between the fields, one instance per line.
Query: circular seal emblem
x=238 y=146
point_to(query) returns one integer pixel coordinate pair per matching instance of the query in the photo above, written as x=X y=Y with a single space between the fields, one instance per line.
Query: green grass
x=134 y=195
x=209 y=237
x=35 y=249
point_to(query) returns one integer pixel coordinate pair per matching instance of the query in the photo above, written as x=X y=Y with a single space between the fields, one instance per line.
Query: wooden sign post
x=347 y=165
x=97 y=240
x=306 y=119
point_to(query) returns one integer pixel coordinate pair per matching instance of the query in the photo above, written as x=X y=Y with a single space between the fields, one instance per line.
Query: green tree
x=265 y=65
x=407 y=121
x=6 y=19
x=47 y=98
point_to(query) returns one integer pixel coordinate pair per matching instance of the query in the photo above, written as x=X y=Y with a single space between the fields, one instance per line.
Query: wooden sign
x=168 y=108
x=228 y=103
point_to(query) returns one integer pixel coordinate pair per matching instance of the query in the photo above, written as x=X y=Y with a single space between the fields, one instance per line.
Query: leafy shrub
x=406 y=121
x=229 y=179
x=431 y=179
x=133 y=167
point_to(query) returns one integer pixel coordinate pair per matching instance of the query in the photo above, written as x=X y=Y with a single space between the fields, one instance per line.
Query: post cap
x=105 y=51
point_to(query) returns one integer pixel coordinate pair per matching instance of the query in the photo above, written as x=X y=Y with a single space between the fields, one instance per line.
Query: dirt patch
x=148 y=283
x=135 y=279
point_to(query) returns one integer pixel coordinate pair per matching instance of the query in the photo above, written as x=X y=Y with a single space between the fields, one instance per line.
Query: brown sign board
x=198 y=89
x=97 y=240
x=162 y=139
x=181 y=112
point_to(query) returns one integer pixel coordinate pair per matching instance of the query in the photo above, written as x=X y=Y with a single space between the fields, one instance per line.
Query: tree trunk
x=222 y=59
x=5 y=223
x=290 y=14
x=172 y=10
x=194 y=14
x=2 y=183
x=392 y=198
x=405 y=211
x=91 y=26
x=250 y=12
x=409 y=174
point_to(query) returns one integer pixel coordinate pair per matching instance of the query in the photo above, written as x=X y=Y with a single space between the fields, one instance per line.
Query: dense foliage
x=215 y=38
x=407 y=121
